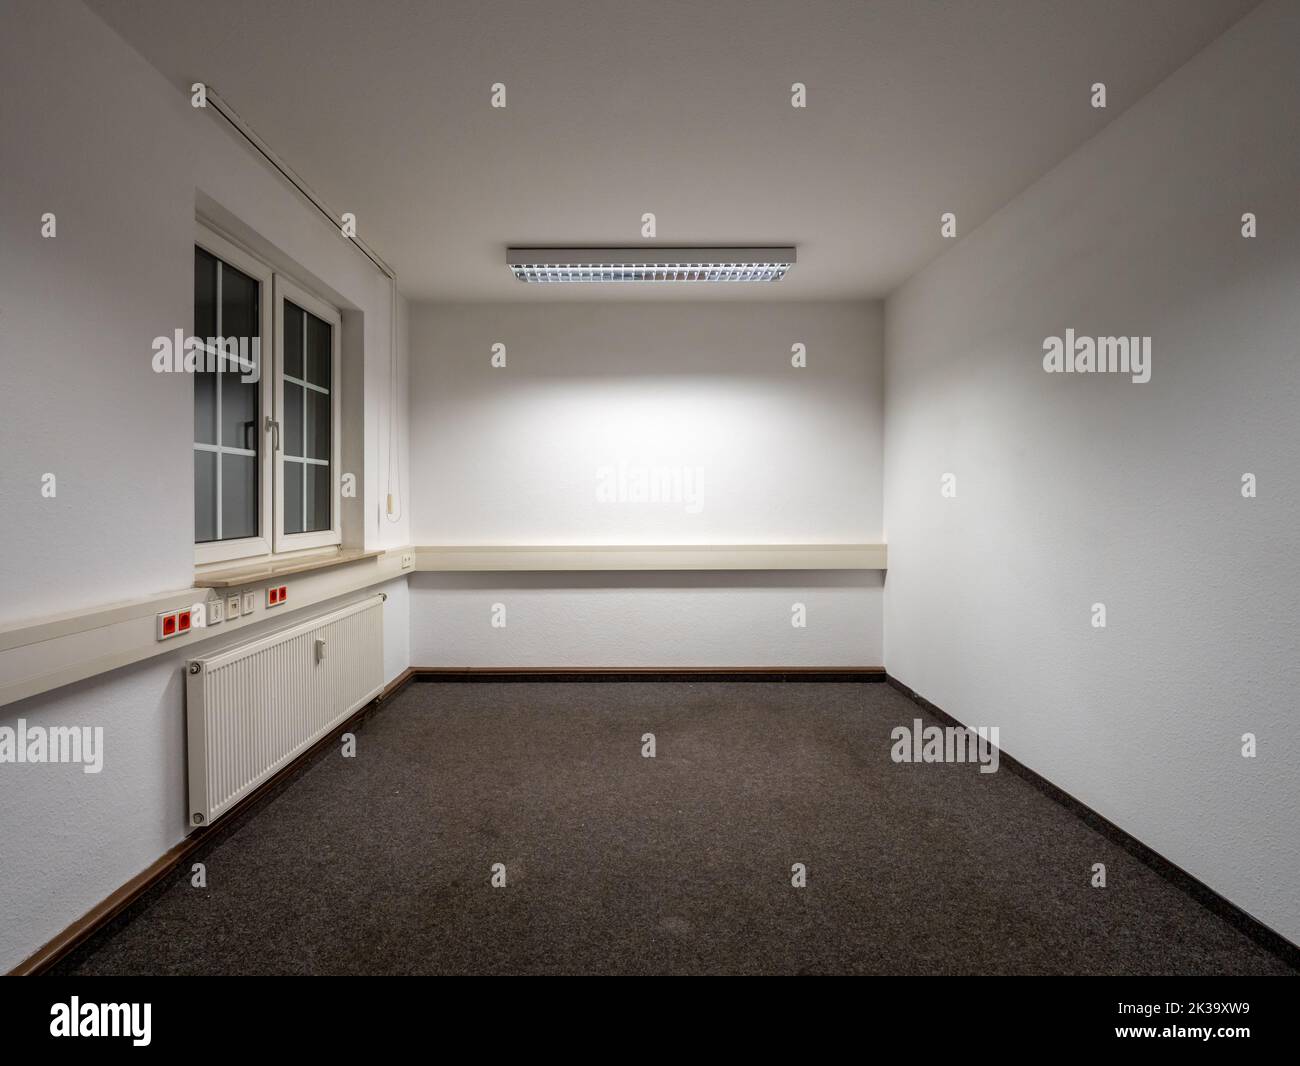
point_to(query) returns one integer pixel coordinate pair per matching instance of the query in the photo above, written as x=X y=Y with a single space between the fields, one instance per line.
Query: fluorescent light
x=549 y=265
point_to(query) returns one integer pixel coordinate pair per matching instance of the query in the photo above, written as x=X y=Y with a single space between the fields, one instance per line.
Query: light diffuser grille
x=559 y=265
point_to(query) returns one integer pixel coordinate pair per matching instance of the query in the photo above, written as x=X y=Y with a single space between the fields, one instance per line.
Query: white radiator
x=254 y=708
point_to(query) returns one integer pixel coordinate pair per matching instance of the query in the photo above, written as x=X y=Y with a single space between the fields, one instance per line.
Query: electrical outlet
x=232 y=606
x=250 y=602
x=408 y=560
x=216 y=612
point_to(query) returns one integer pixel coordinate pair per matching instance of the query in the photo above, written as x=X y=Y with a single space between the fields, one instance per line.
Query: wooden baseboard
x=855 y=674
x=99 y=916
x=1272 y=941
x=397 y=684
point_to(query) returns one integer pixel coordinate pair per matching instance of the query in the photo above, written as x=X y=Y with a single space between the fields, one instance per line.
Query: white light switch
x=250 y=602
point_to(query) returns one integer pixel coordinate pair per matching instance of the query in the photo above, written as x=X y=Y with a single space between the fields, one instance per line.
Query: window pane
x=292 y=418
x=318 y=425
x=238 y=496
x=238 y=303
x=227 y=410
x=205 y=408
x=205 y=294
x=318 y=497
x=292 y=496
x=238 y=412
x=205 y=326
x=308 y=422
x=205 y=496
x=318 y=351
x=238 y=398
x=293 y=339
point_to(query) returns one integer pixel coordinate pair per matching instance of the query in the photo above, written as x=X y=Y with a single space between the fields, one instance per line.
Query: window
x=232 y=471
x=266 y=409
x=306 y=385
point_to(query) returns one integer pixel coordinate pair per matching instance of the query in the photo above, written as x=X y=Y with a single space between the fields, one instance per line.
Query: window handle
x=273 y=426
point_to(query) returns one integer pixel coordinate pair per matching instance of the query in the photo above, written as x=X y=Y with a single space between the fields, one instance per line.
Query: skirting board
x=141 y=889
x=1222 y=907
x=858 y=674
x=138 y=892
x=651 y=557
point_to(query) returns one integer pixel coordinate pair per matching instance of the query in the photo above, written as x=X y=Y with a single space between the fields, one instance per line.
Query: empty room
x=573 y=488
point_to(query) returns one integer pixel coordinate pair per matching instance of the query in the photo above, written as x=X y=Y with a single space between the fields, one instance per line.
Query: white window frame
x=271 y=540
x=217 y=551
x=285 y=289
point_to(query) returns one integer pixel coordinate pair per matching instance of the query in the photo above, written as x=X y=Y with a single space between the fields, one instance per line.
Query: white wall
x=69 y=838
x=123 y=171
x=705 y=392
x=91 y=132
x=686 y=619
x=1080 y=489
x=397 y=627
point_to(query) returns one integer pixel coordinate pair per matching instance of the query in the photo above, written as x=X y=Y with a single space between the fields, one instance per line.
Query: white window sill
x=247 y=572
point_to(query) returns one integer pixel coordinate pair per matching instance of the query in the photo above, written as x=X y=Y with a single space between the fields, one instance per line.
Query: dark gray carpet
x=678 y=864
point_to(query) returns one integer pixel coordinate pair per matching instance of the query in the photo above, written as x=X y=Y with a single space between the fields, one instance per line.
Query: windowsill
x=263 y=569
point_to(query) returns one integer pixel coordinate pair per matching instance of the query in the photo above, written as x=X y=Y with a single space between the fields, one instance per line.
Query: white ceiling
x=915 y=107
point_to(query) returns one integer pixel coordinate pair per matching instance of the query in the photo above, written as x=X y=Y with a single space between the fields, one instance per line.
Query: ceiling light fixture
x=649 y=264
